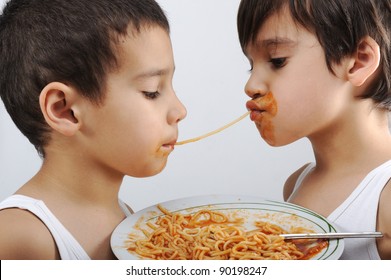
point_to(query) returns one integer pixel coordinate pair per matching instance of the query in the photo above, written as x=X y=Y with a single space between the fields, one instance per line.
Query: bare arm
x=24 y=237
x=384 y=223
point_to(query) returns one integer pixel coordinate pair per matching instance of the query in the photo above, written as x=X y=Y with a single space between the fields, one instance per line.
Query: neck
x=356 y=141
x=74 y=178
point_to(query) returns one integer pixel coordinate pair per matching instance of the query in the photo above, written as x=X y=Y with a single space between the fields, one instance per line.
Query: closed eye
x=278 y=62
x=151 y=95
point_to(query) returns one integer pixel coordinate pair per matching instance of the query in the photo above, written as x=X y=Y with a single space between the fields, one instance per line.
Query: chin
x=149 y=171
x=269 y=140
x=271 y=143
x=278 y=142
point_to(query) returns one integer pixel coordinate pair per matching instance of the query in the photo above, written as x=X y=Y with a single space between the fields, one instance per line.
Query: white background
x=211 y=72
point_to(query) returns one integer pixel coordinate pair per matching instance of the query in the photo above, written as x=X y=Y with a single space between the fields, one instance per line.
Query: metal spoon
x=332 y=235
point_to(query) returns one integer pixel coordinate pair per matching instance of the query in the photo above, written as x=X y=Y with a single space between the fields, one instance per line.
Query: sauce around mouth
x=264 y=122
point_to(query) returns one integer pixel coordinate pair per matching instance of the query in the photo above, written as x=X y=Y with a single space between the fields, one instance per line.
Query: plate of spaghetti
x=223 y=227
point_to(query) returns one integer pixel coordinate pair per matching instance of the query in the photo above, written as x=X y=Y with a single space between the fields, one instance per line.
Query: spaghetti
x=211 y=235
x=195 y=139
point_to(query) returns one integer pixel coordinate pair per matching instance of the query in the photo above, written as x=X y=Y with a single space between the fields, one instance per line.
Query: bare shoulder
x=24 y=236
x=384 y=223
x=291 y=181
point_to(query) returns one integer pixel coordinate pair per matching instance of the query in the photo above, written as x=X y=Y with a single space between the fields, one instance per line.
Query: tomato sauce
x=266 y=126
x=310 y=247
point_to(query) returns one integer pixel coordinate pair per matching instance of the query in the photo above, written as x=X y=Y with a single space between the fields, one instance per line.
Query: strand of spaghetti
x=214 y=131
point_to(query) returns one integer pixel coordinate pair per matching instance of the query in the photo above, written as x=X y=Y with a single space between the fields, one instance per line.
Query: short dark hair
x=339 y=25
x=70 y=41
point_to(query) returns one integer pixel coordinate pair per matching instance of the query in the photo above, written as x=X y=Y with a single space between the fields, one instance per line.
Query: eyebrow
x=277 y=41
x=153 y=73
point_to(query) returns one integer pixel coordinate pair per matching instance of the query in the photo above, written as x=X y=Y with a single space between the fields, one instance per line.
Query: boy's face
x=300 y=97
x=135 y=129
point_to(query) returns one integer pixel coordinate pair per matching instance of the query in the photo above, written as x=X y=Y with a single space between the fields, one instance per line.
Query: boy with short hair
x=321 y=70
x=90 y=85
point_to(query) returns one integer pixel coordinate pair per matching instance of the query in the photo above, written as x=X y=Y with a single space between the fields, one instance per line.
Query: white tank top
x=358 y=212
x=68 y=247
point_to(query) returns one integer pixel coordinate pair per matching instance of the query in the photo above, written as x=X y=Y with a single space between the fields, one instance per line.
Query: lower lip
x=168 y=147
x=256 y=115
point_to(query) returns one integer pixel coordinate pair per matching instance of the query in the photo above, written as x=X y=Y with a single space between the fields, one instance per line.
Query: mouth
x=256 y=110
x=170 y=146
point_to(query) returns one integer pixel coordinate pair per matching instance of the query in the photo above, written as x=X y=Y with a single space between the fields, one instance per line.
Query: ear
x=365 y=61
x=57 y=102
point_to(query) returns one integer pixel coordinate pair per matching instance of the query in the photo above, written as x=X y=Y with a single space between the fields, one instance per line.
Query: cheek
x=122 y=139
x=299 y=116
x=136 y=156
x=284 y=121
x=267 y=129
x=135 y=139
x=125 y=140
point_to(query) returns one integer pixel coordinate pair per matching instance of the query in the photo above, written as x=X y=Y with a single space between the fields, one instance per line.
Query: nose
x=182 y=112
x=178 y=111
x=255 y=86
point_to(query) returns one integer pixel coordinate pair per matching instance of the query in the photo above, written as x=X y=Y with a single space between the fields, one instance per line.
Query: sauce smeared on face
x=263 y=121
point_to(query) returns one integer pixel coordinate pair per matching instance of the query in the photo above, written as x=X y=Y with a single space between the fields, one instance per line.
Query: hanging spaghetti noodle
x=195 y=139
x=207 y=235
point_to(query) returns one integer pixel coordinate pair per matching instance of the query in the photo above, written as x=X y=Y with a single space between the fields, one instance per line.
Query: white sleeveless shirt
x=358 y=212
x=68 y=247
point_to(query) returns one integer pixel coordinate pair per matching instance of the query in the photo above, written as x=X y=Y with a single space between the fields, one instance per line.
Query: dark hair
x=70 y=41
x=339 y=25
